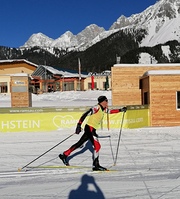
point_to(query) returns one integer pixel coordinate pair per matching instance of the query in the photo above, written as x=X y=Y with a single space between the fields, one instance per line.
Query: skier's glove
x=124 y=109
x=78 y=128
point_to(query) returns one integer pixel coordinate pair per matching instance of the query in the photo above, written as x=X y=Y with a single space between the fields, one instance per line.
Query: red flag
x=92 y=82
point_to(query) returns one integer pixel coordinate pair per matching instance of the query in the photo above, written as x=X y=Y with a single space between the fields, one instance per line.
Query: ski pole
x=119 y=139
x=19 y=169
x=111 y=148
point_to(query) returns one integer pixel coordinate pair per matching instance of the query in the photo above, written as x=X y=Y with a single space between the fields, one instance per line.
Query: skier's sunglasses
x=106 y=100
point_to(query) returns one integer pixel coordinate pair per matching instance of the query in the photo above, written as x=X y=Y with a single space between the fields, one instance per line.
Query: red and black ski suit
x=95 y=114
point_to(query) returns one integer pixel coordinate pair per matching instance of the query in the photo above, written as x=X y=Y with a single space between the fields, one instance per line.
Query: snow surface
x=147 y=164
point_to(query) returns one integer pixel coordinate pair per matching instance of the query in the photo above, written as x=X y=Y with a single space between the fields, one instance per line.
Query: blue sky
x=19 y=19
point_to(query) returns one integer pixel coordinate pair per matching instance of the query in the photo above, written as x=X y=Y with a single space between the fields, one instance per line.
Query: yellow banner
x=132 y=119
x=34 y=122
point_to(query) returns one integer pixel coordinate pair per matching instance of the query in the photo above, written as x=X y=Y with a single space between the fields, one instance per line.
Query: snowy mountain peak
x=121 y=22
x=67 y=33
x=67 y=40
x=64 y=41
x=88 y=34
x=38 y=39
x=161 y=22
x=162 y=9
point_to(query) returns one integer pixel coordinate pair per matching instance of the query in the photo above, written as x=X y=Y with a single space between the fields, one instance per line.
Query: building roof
x=17 y=60
x=40 y=71
x=161 y=72
x=146 y=65
x=20 y=74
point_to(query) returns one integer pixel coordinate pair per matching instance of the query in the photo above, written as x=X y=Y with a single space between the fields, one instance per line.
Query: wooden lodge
x=11 y=67
x=126 y=81
x=161 y=90
x=16 y=66
x=157 y=86
x=49 y=79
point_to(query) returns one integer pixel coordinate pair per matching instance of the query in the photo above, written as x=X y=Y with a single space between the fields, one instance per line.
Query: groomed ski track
x=147 y=166
x=51 y=170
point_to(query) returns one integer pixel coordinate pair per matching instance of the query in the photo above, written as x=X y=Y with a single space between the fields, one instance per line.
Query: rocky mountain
x=67 y=40
x=161 y=21
x=150 y=36
x=38 y=39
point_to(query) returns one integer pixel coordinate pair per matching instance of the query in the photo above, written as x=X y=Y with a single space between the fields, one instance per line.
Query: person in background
x=95 y=114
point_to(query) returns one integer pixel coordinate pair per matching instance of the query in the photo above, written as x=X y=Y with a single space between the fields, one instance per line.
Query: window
x=178 y=100
x=3 y=87
x=68 y=86
x=145 y=100
x=90 y=85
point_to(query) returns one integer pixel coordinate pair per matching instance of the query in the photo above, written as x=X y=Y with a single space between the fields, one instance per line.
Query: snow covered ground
x=147 y=165
x=62 y=99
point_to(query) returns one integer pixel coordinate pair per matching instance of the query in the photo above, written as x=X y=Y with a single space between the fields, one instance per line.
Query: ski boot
x=64 y=159
x=97 y=167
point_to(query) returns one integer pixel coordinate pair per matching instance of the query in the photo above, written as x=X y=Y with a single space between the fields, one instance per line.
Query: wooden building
x=48 y=79
x=125 y=81
x=16 y=66
x=43 y=78
x=161 y=90
x=11 y=67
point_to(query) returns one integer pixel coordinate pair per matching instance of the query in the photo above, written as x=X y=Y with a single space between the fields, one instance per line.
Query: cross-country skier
x=95 y=114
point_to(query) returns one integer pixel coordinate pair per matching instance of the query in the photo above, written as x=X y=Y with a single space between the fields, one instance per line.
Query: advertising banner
x=50 y=121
